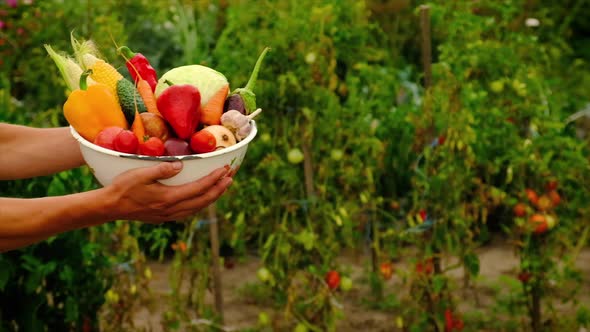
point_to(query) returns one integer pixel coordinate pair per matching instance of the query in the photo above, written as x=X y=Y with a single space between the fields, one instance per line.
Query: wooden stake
x=426 y=45
x=217 y=284
x=308 y=170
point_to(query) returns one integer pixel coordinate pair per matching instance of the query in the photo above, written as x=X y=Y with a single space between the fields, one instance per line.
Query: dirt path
x=240 y=313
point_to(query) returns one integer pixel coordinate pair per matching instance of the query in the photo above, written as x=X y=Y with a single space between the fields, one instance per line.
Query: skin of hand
x=133 y=195
x=138 y=195
x=29 y=152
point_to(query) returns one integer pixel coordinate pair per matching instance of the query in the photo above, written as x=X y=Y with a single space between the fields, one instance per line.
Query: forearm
x=26 y=221
x=29 y=152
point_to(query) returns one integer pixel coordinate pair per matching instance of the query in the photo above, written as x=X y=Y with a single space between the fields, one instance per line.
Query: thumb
x=163 y=170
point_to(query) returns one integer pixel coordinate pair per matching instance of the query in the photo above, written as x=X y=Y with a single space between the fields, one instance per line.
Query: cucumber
x=129 y=99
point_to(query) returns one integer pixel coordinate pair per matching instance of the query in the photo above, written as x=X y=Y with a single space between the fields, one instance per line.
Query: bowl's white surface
x=107 y=164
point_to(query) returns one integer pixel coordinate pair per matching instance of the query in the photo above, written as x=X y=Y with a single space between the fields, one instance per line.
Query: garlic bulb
x=238 y=123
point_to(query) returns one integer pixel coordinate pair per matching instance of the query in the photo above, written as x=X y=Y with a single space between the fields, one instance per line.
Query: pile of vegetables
x=188 y=110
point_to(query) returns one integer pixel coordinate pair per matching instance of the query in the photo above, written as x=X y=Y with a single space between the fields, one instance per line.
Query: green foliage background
x=343 y=78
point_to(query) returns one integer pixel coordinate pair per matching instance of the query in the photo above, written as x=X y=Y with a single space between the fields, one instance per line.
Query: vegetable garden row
x=410 y=134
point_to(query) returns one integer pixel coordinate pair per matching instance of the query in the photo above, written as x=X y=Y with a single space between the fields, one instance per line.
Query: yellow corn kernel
x=106 y=74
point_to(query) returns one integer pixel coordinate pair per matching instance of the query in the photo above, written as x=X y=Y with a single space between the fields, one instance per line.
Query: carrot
x=149 y=99
x=137 y=128
x=211 y=112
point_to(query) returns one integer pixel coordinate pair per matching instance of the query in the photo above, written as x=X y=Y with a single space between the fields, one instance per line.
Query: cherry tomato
x=152 y=147
x=524 y=276
x=539 y=222
x=126 y=141
x=520 y=210
x=106 y=137
x=551 y=185
x=532 y=196
x=386 y=269
x=203 y=141
x=333 y=279
x=555 y=198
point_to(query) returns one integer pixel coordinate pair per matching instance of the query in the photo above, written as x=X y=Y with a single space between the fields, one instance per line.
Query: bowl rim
x=114 y=153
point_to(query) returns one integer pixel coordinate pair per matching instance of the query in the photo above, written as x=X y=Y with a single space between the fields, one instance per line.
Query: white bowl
x=106 y=164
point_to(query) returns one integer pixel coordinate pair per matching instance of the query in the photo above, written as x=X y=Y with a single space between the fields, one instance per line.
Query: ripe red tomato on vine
x=332 y=279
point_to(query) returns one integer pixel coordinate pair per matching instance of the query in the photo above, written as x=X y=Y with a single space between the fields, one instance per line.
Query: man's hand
x=133 y=195
x=137 y=195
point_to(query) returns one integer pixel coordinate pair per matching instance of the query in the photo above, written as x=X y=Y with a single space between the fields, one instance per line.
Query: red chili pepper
x=139 y=67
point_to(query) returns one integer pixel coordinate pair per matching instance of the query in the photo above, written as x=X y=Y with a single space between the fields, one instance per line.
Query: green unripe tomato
x=263 y=319
x=336 y=154
x=345 y=284
x=265 y=137
x=300 y=328
x=112 y=296
x=263 y=274
x=497 y=86
x=295 y=156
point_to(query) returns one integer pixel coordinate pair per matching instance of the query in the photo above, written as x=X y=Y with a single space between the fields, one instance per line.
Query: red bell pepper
x=139 y=67
x=180 y=105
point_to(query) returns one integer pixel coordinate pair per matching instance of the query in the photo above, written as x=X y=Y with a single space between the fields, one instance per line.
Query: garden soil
x=496 y=260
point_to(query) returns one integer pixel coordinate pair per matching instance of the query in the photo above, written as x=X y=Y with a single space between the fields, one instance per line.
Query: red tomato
x=152 y=147
x=426 y=267
x=524 y=276
x=106 y=137
x=532 y=196
x=87 y=325
x=333 y=279
x=555 y=198
x=544 y=203
x=520 y=210
x=423 y=215
x=126 y=141
x=386 y=269
x=551 y=185
x=452 y=323
x=203 y=141
x=539 y=222
x=448 y=320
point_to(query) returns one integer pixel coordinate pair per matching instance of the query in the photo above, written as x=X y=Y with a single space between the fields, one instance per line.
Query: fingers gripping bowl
x=107 y=164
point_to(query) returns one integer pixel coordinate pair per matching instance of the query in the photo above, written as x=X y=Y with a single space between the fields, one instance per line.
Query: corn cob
x=104 y=73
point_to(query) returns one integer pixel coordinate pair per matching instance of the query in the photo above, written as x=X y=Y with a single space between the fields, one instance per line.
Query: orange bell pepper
x=91 y=109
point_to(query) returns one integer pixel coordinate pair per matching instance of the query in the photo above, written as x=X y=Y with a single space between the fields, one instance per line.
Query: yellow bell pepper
x=91 y=109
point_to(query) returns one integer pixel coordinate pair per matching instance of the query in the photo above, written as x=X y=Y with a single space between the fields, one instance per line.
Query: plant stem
x=217 y=286
x=536 y=308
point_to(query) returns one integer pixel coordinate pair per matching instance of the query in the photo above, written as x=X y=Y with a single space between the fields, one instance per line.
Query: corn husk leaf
x=69 y=69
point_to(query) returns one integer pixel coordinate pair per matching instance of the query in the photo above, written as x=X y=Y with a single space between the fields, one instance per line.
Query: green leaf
x=471 y=262
x=56 y=187
x=71 y=309
x=33 y=281
x=67 y=274
x=583 y=316
x=438 y=283
x=5 y=273
x=307 y=239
